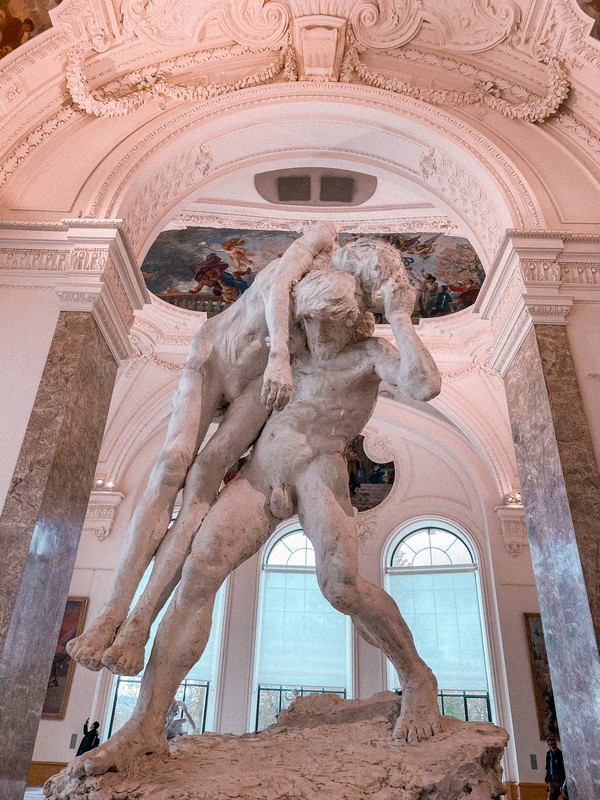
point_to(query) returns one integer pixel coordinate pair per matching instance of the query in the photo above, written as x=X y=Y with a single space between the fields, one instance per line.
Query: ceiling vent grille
x=315 y=186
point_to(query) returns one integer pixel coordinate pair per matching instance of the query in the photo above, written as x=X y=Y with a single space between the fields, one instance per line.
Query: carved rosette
x=88 y=264
x=101 y=512
x=514 y=528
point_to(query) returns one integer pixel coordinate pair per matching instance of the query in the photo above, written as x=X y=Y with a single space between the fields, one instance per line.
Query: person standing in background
x=555 y=769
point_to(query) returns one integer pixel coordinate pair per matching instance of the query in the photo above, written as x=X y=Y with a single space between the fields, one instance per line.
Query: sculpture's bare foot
x=88 y=648
x=420 y=716
x=135 y=738
x=126 y=654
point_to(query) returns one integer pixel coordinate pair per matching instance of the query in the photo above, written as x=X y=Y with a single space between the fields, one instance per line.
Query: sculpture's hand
x=320 y=236
x=277 y=384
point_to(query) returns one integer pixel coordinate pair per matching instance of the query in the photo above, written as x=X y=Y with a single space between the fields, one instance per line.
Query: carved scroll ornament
x=134 y=90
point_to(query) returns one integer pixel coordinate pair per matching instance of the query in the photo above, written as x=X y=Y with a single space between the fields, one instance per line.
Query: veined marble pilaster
x=91 y=269
x=557 y=480
x=40 y=528
x=537 y=280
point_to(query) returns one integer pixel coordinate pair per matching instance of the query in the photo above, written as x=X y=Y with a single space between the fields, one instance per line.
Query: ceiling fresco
x=21 y=20
x=207 y=269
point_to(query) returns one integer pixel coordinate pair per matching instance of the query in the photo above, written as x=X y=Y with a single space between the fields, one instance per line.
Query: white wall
x=24 y=348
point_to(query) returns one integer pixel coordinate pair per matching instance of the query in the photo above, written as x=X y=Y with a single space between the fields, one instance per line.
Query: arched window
x=432 y=575
x=198 y=690
x=303 y=644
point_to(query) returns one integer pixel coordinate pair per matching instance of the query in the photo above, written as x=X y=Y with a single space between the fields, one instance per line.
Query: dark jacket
x=89 y=741
x=556 y=775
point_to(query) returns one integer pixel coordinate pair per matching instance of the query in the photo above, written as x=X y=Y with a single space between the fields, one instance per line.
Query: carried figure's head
x=371 y=261
x=332 y=296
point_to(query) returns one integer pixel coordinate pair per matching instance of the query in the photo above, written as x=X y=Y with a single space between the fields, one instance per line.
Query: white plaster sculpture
x=177 y=727
x=297 y=465
x=321 y=747
x=230 y=365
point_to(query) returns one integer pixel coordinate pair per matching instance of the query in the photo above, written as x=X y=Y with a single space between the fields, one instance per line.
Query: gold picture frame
x=63 y=666
x=542 y=684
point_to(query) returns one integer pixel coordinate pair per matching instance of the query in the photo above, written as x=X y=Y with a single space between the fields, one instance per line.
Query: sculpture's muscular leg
x=234 y=529
x=193 y=407
x=328 y=520
x=241 y=424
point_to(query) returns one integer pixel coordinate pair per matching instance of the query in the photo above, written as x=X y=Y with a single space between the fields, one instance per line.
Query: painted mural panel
x=207 y=269
x=21 y=20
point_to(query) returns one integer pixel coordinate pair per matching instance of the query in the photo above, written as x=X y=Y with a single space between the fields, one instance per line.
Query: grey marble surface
x=548 y=432
x=577 y=458
x=40 y=528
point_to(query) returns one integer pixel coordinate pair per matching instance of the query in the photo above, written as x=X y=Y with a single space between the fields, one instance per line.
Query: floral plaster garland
x=102 y=102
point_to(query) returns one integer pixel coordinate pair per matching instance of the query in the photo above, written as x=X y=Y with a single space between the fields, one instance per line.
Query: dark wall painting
x=21 y=20
x=207 y=269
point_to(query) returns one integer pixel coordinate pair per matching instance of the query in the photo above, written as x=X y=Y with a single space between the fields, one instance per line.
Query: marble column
x=560 y=484
x=43 y=515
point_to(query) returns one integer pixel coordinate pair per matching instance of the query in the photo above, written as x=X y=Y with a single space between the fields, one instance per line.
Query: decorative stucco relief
x=101 y=512
x=325 y=44
x=575 y=128
x=202 y=219
x=462 y=189
x=376 y=23
x=26 y=146
x=89 y=21
x=164 y=187
x=535 y=271
x=514 y=528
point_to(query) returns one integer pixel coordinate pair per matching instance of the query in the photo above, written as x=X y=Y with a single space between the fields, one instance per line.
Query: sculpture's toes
x=123 y=660
x=412 y=732
x=103 y=759
x=85 y=652
x=77 y=767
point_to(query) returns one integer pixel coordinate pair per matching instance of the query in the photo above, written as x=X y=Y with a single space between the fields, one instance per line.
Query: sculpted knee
x=341 y=591
x=174 y=462
x=200 y=581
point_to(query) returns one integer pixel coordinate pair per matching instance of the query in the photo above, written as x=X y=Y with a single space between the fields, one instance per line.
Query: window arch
x=303 y=643
x=432 y=574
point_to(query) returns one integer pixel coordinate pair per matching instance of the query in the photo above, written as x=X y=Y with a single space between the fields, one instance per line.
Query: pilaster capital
x=526 y=287
x=89 y=265
x=101 y=511
x=514 y=528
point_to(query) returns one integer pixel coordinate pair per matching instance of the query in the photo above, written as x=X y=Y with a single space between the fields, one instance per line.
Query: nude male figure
x=298 y=465
x=230 y=364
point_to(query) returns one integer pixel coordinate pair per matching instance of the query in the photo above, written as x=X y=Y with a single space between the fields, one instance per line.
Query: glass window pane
x=441 y=609
x=303 y=640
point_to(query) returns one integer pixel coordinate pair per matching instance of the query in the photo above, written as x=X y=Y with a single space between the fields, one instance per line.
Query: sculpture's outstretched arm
x=412 y=370
x=295 y=263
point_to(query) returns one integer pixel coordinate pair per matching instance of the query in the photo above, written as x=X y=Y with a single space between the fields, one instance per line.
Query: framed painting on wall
x=542 y=685
x=63 y=666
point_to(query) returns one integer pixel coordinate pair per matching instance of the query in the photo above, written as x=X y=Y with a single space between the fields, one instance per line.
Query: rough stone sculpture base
x=321 y=748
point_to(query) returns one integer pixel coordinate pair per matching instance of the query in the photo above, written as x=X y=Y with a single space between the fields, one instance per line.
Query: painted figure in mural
x=15 y=31
x=230 y=367
x=298 y=466
x=213 y=272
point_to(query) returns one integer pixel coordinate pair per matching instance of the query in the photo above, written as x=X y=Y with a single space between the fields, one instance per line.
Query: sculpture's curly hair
x=371 y=261
x=331 y=294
